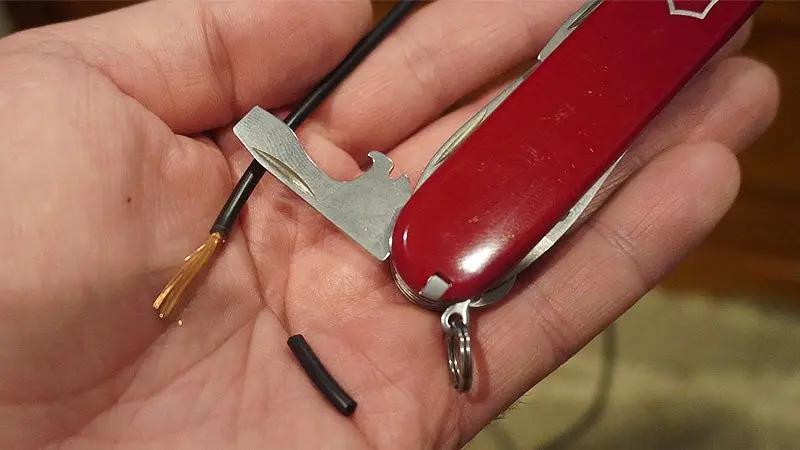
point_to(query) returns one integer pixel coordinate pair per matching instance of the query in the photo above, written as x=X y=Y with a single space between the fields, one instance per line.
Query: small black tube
x=320 y=376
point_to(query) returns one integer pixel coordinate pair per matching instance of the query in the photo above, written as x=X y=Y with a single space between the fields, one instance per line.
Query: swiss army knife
x=516 y=177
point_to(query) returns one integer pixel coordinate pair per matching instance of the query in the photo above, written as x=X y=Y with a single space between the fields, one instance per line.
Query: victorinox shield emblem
x=689 y=8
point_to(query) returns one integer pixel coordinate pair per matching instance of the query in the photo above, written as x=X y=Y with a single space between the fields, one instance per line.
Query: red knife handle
x=510 y=182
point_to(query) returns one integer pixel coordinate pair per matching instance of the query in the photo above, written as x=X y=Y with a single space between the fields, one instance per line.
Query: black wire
x=600 y=401
x=320 y=376
x=229 y=213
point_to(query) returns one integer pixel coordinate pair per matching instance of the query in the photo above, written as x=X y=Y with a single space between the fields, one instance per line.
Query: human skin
x=117 y=154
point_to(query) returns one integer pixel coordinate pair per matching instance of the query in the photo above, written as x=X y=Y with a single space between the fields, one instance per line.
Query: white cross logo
x=675 y=11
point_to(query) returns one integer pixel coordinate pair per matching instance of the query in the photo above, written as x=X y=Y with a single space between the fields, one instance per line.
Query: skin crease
x=117 y=154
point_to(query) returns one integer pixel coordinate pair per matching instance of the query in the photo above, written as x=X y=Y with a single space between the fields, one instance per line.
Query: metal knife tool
x=516 y=177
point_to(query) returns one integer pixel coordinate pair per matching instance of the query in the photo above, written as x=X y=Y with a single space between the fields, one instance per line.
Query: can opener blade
x=364 y=209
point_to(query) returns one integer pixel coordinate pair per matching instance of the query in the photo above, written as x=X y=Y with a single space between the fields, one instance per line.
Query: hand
x=117 y=154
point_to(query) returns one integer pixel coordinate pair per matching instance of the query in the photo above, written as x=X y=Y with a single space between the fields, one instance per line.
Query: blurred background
x=708 y=360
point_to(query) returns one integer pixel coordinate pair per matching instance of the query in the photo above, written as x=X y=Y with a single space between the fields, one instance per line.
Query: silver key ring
x=455 y=321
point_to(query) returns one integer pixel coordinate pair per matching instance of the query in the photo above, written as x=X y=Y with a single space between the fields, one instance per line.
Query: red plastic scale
x=512 y=180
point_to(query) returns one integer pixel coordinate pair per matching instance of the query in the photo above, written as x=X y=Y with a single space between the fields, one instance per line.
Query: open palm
x=117 y=154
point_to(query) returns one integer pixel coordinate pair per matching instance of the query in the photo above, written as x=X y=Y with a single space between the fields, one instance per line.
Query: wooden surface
x=755 y=252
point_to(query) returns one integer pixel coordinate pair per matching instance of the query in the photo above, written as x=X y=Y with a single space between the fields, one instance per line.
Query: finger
x=199 y=65
x=443 y=52
x=616 y=258
x=731 y=102
x=738 y=91
x=436 y=57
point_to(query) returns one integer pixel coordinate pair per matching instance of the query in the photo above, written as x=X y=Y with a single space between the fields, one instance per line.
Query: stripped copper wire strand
x=169 y=299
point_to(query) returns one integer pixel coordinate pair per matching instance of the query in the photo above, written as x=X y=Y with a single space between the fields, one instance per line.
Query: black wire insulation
x=320 y=376
x=568 y=438
x=248 y=181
